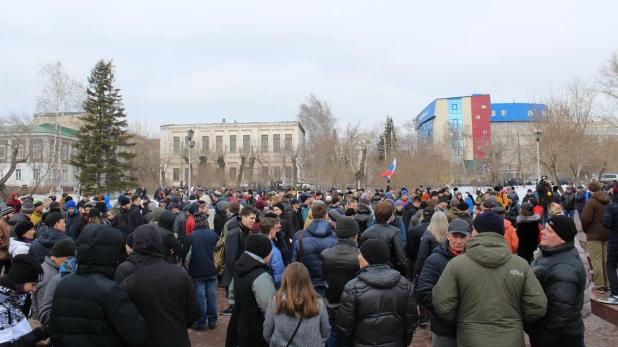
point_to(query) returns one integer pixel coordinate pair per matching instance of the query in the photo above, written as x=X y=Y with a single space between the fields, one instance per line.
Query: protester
x=377 y=291
x=268 y=228
x=339 y=266
x=172 y=249
x=43 y=244
x=127 y=267
x=20 y=244
x=510 y=235
x=310 y=243
x=484 y=271
x=528 y=228
x=567 y=200
x=596 y=234
x=392 y=236
x=198 y=259
x=610 y=221
x=15 y=286
x=74 y=221
x=167 y=316
x=434 y=236
x=297 y=315
x=88 y=308
x=561 y=273
x=5 y=239
x=415 y=236
x=250 y=291
x=443 y=334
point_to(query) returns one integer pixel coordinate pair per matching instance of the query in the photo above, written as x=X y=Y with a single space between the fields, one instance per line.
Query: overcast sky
x=184 y=62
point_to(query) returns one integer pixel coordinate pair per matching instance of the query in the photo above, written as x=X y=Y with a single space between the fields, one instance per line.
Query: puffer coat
x=316 y=238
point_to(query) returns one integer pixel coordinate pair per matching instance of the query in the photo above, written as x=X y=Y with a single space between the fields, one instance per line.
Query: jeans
x=205 y=289
x=598 y=260
x=612 y=264
x=569 y=213
x=443 y=341
x=332 y=339
x=579 y=213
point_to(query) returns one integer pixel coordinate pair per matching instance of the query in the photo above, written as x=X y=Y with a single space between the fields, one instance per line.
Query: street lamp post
x=190 y=133
x=538 y=134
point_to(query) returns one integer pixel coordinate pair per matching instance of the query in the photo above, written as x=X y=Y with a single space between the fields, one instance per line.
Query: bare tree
x=15 y=129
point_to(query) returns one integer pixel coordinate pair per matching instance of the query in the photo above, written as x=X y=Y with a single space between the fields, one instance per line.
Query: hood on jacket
x=528 y=219
x=147 y=244
x=246 y=263
x=50 y=236
x=363 y=209
x=600 y=196
x=18 y=217
x=68 y=267
x=444 y=250
x=488 y=249
x=99 y=247
x=166 y=220
x=379 y=276
x=320 y=228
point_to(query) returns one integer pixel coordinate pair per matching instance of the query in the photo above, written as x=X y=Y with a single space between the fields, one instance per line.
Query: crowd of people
x=307 y=268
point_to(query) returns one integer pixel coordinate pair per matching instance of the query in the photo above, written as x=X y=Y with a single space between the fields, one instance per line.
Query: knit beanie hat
x=37 y=203
x=259 y=205
x=27 y=207
x=594 y=186
x=463 y=206
x=280 y=206
x=7 y=210
x=375 y=251
x=564 y=227
x=122 y=201
x=64 y=248
x=489 y=221
x=201 y=219
x=428 y=212
x=156 y=213
x=526 y=206
x=23 y=227
x=346 y=227
x=53 y=218
x=350 y=212
x=94 y=212
x=258 y=244
x=70 y=204
x=398 y=203
x=25 y=268
x=223 y=206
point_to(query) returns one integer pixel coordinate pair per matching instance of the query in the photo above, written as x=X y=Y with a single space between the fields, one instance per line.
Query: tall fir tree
x=102 y=151
x=387 y=142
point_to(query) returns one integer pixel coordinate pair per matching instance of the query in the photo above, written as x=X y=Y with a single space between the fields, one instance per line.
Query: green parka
x=489 y=292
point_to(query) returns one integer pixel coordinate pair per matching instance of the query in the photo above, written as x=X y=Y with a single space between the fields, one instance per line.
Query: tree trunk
x=251 y=170
x=241 y=171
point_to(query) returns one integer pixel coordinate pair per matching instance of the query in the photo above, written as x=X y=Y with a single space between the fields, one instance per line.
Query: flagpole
x=388 y=185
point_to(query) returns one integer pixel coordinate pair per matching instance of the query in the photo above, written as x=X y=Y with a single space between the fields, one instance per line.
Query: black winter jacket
x=127 y=268
x=88 y=308
x=363 y=217
x=41 y=246
x=434 y=266
x=414 y=237
x=568 y=201
x=378 y=308
x=392 y=237
x=74 y=225
x=122 y=222
x=220 y=220
x=542 y=189
x=135 y=218
x=580 y=200
x=563 y=278
x=408 y=212
x=234 y=248
x=610 y=219
x=528 y=235
x=170 y=243
x=428 y=244
x=149 y=287
x=339 y=265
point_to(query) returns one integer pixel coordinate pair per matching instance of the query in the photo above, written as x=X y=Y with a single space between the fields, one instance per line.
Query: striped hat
x=7 y=210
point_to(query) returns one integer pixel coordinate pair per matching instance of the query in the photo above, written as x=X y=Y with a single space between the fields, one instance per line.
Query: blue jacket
x=202 y=243
x=276 y=265
x=610 y=219
x=316 y=238
x=433 y=268
x=470 y=203
x=42 y=246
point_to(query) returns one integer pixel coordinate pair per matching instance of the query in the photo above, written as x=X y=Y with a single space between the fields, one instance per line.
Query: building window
x=232 y=143
x=246 y=141
x=478 y=117
x=454 y=107
x=2 y=151
x=232 y=172
x=36 y=173
x=65 y=175
x=36 y=150
x=265 y=173
x=20 y=151
x=176 y=146
x=503 y=113
x=287 y=172
x=264 y=143
x=18 y=174
x=484 y=131
x=483 y=106
x=176 y=175
x=276 y=142
x=530 y=113
x=288 y=142
x=205 y=143
x=277 y=172
x=493 y=113
x=64 y=152
x=218 y=143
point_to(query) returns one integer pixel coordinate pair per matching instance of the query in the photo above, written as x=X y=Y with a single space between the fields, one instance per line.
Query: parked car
x=608 y=178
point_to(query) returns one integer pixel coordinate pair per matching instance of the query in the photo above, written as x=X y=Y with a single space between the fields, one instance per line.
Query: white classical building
x=274 y=148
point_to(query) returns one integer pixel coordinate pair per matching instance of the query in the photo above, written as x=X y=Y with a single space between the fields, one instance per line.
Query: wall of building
x=68 y=120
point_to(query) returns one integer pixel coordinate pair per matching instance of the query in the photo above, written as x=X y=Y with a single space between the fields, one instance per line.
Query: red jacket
x=14 y=202
x=190 y=225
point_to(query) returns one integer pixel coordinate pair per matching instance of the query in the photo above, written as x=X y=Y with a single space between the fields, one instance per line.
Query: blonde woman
x=432 y=238
x=297 y=315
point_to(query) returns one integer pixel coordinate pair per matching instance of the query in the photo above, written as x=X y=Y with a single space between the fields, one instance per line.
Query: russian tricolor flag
x=391 y=169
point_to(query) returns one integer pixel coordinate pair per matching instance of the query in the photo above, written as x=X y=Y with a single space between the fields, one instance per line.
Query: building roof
x=234 y=124
x=516 y=112
x=47 y=128
x=52 y=114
